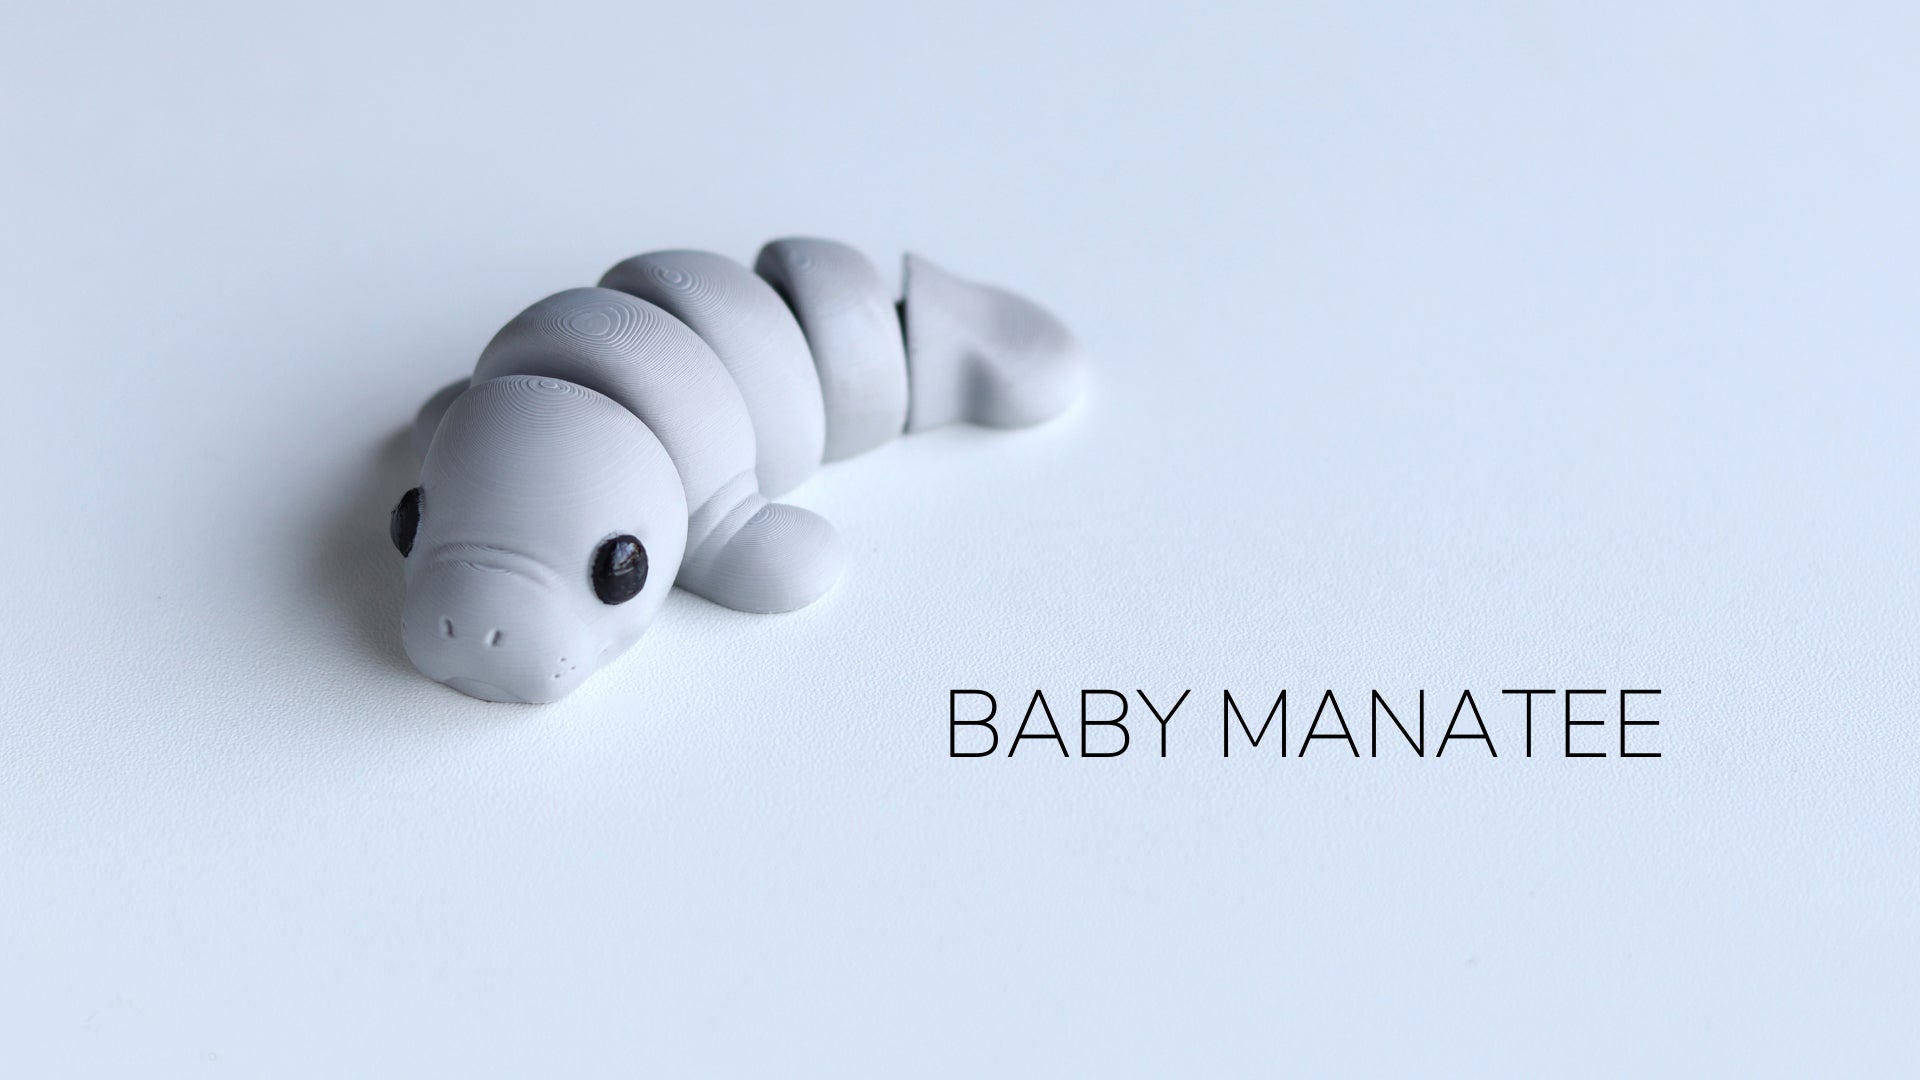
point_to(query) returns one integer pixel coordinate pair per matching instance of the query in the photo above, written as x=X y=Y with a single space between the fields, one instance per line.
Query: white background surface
x=1502 y=347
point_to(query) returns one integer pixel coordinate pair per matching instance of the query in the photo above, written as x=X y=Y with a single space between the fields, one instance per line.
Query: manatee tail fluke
x=782 y=559
x=983 y=354
x=427 y=421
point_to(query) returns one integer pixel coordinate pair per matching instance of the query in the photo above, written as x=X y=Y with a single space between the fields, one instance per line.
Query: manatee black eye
x=405 y=521
x=619 y=570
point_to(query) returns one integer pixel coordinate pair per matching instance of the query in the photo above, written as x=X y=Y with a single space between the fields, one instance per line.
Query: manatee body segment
x=852 y=326
x=759 y=344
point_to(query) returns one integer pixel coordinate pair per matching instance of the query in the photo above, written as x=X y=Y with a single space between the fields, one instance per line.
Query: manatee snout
x=496 y=628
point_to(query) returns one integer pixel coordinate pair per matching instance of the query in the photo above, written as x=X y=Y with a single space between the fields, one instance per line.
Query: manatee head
x=546 y=531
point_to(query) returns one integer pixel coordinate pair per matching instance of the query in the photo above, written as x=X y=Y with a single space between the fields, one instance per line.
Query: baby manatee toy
x=616 y=441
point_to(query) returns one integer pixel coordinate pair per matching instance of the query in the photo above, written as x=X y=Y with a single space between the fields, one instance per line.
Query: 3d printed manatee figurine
x=616 y=441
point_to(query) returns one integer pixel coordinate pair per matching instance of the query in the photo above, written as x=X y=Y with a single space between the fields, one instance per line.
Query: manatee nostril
x=446 y=627
x=493 y=639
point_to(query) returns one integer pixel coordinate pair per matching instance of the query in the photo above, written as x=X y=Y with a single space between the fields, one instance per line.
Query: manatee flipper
x=779 y=558
x=983 y=354
x=427 y=421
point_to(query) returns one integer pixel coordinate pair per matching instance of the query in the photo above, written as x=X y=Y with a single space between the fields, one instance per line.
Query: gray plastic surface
x=750 y=328
x=525 y=477
x=853 y=329
x=650 y=362
x=984 y=354
x=598 y=413
x=427 y=420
